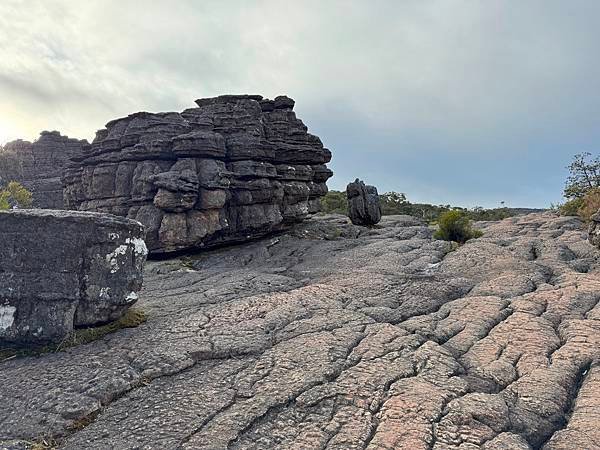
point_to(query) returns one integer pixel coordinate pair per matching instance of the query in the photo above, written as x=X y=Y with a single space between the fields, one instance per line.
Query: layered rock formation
x=340 y=337
x=65 y=269
x=363 y=203
x=39 y=166
x=235 y=167
x=594 y=232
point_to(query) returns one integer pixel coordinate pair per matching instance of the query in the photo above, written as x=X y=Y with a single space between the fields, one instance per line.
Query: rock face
x=340 y=337
x=65 y=269
x=363 y=203
x=594 y=233
x=234 y=168
x=39 y=166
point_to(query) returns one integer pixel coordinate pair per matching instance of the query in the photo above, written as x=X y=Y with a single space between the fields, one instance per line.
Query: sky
x=466 y=102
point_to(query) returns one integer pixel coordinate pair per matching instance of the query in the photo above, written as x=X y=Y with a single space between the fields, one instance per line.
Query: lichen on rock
x=65 y=269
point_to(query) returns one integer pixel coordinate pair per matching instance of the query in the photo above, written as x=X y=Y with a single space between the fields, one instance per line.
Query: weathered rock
x=363 y=203
x=65 y=269
x=594 y=232
x=234 y=168
x=39 y=166
x=340 y=337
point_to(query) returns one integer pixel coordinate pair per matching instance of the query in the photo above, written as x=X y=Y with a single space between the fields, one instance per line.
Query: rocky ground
x=339 y=337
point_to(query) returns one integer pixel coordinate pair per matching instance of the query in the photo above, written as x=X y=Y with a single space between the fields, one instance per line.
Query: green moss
x=131 y=319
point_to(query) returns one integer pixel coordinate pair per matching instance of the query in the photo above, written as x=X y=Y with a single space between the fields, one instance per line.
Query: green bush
x=571 y=207
x=456 y=226
x=15 y=195
x=334 y=202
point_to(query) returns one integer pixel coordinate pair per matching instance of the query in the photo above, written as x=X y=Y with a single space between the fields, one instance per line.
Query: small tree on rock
x=14 y=195
x=584 y=176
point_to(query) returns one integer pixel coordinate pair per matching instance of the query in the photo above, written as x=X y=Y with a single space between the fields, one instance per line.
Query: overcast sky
x=463 y=102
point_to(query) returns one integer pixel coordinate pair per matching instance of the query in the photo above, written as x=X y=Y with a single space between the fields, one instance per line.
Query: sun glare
x=6 y=133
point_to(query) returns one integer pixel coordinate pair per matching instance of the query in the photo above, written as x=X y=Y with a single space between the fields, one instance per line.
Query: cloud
x=457 y=101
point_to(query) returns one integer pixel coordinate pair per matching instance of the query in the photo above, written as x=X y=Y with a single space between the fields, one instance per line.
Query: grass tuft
x=134 y=317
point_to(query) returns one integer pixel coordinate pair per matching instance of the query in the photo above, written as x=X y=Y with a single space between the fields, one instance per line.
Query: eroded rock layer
x=340 y=337
x=39 y=166
x=65 y=269
x=235 y=167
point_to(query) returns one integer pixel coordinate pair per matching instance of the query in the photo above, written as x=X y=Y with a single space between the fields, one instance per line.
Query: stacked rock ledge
x=234 y=168
x=60 y=270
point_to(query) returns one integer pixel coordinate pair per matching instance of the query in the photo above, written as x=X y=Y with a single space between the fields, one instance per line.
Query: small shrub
x=455 y=226
x=590 y=204
x=15 y=195
x=571 y=207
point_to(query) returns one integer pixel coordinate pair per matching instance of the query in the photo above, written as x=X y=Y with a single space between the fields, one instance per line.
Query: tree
x=584 y=175
x=14 y=195
x=393 y=203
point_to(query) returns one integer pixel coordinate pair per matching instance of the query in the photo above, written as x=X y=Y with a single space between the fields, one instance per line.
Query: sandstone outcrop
x=65 y=269
x=363 y=203
x=236 y=167
x=39 y=166
x=594 y=232
x=335 y=336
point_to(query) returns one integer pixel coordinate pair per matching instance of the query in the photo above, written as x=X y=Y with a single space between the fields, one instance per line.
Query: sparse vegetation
x=456 y=226
x=584 y=176
x=14 y=195
x=131 y=319
x=582 y=189
x=590 y=204
x=396 y=203
x=334 y=202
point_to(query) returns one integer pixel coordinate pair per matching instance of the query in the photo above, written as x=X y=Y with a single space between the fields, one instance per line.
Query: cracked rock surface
x=334 y=336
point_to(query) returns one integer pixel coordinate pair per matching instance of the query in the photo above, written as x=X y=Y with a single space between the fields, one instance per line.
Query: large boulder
x=594 y=232
x=39 y=166
x=65 y=269
x=363 y=203
x=234 y=168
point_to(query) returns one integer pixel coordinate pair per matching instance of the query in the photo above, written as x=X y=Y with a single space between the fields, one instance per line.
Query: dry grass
x=131 y=319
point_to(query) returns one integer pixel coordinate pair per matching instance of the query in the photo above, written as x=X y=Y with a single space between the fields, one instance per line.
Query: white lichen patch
x=139 y=246
x=113 y=236
x=7 y=317
x=113 y=257
x=104 y=293
x=131 y=297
